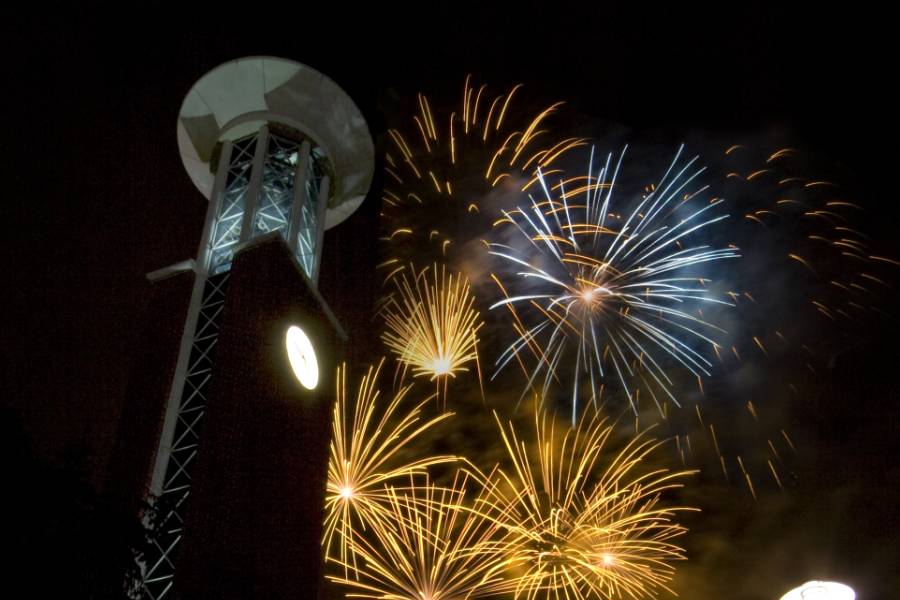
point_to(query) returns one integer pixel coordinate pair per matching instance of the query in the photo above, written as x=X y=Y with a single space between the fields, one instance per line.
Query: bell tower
x=234 y=454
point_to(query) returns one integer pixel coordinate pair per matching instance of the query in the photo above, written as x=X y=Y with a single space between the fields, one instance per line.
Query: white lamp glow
x=302 y=357
x=821 y=590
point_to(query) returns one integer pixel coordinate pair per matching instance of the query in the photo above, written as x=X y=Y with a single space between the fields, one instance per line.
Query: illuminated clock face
x=302 y=357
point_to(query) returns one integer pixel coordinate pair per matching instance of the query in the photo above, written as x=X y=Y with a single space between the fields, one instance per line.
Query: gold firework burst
x=849 y=282
x=432 y=324
x=814 y=284
x=367 y=436
x=580 y=526
x=432 y=547
x=437 y=177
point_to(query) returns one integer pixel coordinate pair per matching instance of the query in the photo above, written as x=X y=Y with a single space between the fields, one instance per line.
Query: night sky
x=96 y=197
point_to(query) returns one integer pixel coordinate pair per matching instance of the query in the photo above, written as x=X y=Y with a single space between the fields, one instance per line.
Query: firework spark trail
x=813 y=285
x=580 y=525
x=366 y=438
x=437 y=177
x=434 y=546
x=432 y=324
x=844 y=277
x=611 y=288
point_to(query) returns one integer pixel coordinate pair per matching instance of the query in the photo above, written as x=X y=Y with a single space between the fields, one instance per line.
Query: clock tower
x=235 y=409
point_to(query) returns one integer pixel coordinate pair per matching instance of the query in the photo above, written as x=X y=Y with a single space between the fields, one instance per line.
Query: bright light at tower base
x=821 y=590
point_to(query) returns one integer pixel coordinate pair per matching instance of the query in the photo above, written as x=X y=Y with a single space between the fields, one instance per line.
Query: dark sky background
x=95 y=198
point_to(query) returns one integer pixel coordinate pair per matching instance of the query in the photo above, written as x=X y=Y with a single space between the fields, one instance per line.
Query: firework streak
x=432 y=325
x=613 y=291
x=436 y=179
x=582 y=524
x=366 y=439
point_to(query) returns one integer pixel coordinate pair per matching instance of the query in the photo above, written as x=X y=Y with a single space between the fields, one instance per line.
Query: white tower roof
x=235 y=98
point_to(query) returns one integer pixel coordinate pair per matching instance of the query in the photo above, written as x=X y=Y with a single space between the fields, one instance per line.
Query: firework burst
x=614 y=291
x=432 y=324
x=432 y=548
x=811 y=284
x=437 y=177
x=366 y=439
x=810 y=230
x=582 y=526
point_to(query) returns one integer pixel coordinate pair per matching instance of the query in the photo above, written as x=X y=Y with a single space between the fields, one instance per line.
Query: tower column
x=300 y=196
x=253 y=188
x=215 y=202
x=282 y=153
x=320 y=230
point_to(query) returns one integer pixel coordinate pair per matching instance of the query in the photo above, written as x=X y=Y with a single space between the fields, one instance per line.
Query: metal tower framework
x=264 y=183
x=176 y=488
x=274 y=183
x=277 y=148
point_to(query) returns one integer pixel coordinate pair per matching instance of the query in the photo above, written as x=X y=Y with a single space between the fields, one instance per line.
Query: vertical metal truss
x=158 y=566
x=310 y=218
x=276 y=192
x=292 y=178
x=226 y=232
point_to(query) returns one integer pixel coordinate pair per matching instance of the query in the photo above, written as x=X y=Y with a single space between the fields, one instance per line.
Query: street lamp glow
x=302 y=357
x=821 y=590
